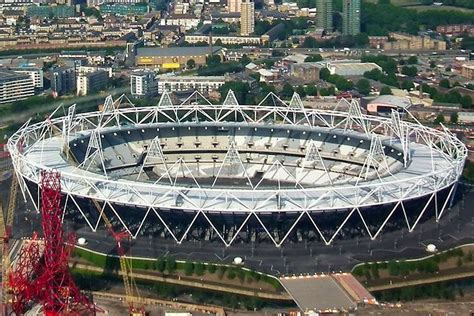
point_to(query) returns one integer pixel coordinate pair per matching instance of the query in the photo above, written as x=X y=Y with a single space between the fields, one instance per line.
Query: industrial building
x=349 y=68
x=173 y=57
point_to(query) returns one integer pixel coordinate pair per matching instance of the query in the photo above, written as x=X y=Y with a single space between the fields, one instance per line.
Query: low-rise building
x=351 y=68
x=456 y=29
x=15 y=86
x=203 y=84
x=384 y=104
x=411 y=42
x=143 y=84
x=305 y=71
x=467 y=70
x=173 y=57
x=224 y=39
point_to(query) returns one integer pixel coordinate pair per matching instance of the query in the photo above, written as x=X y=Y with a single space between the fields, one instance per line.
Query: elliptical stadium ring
x=176 y=166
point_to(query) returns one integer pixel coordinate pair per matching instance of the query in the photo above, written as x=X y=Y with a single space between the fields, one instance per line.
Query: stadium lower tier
x=234 y=227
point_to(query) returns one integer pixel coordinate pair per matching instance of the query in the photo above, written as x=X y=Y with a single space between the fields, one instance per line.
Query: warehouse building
x=173 y=57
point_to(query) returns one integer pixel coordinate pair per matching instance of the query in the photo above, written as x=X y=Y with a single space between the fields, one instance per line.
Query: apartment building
x=203 y=84
x=15 y=86
x=143 y=84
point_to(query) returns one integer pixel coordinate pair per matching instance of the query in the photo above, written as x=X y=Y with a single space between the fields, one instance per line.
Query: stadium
x=275 y=172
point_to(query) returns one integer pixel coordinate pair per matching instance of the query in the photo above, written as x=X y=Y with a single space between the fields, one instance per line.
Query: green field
x=440 y=8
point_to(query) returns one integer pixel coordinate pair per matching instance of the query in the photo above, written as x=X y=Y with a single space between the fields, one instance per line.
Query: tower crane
x=5 y=232
x=125 y=266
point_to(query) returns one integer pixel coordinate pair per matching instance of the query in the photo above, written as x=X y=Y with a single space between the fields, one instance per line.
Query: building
x=88 y=82
x=377 y=41
x=35 y=73
x=143 y=84
x=467 y=70
x=15 y=86
x=63 y=80
x=234 y=5
x=324 y=14
x=410 y=42
x=224 y=39
x=48 y=11
x=124 y=9
x=203 y=84
x=456 y=29
x=349 y=68
x=350 y=17
x=305 y=71
x=247 y=17
x=384 y=104
x=173 y=57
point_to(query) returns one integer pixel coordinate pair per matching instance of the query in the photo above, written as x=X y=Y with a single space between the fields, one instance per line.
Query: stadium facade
x=274 y=172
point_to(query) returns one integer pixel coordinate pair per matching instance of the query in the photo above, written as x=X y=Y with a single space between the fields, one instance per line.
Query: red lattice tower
x=20 y=281
x=55 y=287
x=41 y=274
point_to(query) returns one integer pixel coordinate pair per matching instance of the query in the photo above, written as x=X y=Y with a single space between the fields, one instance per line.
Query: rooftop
x=6 y=74
x=400 y=102
x=176 y=51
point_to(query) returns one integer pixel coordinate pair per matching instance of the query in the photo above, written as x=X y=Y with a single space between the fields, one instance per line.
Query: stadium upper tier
x=255 y=159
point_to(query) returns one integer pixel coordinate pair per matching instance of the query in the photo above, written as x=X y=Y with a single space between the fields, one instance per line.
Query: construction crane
x=125 y=267
x=5 y=232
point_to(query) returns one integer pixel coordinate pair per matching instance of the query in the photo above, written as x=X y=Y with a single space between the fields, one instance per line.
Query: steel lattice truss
x=46 y=145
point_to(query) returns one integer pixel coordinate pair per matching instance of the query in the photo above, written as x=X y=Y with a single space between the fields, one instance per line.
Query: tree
x=444 y=83
x=287 y=90
x=213 y=60
x=245 y=60
x=309 y=42
x=409 y=71
x=199 y=268
x=439 y=119
x=170 y=264
x=301 y=91
x=313 y=58
x=160 y=264
x=190 y=64
x=385 y=90
x=466 y=101
x=324 y=74
x=408 y=85
x=454 y=118
x=363 y=86
x=188 y=268
x=311 y=90
x=211 y=268
x=412 y=60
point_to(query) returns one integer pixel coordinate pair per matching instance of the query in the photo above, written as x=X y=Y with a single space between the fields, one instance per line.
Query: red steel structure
x=47 y=279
